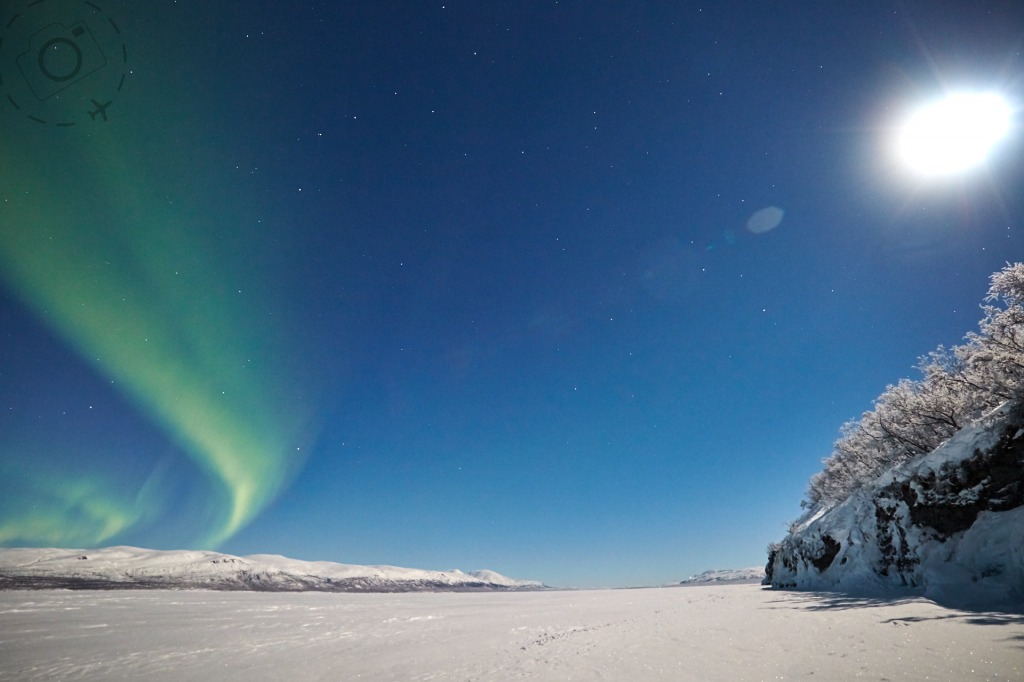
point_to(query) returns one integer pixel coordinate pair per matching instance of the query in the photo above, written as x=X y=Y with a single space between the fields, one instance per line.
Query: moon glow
x=954 y=134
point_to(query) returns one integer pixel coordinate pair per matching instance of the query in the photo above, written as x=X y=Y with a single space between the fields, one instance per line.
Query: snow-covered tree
x=994 y=356
x=958 y=385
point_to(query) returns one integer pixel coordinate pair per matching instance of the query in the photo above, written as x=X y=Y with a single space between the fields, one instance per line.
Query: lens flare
x=765 y=220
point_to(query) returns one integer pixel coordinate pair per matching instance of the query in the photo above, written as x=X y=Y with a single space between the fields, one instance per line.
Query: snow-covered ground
x=713 y=632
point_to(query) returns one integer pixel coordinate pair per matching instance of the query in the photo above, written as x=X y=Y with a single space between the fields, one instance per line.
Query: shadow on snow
x=966 y=609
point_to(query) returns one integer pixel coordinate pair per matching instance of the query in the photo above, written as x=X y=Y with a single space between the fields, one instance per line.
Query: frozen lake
x=721 y=632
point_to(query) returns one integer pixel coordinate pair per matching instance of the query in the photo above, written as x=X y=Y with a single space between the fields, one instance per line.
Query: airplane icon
x=100 y=109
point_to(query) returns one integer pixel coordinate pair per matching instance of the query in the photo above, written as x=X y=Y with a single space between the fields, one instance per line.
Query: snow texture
x=703 y=632
x=131 y=567
x=949 y=525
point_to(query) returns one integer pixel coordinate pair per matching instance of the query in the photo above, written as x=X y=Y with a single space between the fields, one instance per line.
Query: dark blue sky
x=467 y=284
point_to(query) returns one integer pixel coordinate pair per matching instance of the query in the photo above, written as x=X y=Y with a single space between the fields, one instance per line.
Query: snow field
x=716 y=632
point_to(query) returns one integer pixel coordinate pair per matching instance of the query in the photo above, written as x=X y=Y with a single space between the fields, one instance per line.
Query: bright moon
x=953 y=134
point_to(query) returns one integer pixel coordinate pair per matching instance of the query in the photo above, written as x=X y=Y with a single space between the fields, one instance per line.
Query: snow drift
x=131 y=567
x=949 y=524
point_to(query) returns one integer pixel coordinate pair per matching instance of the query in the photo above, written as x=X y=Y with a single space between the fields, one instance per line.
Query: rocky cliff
x=948 y=524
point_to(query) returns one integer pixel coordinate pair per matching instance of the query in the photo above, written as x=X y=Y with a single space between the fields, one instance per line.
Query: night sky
x=578 y=291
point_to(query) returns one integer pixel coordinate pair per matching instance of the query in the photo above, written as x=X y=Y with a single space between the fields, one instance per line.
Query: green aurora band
x=151 y=293
x=68 y=510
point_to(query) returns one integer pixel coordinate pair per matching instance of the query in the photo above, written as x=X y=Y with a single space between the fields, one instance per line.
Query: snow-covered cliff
x=131 y=567
x=949 y=524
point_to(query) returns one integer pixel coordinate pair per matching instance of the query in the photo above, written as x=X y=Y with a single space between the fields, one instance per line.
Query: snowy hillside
x=130 y=567
x=754 y=574
x=949 y=523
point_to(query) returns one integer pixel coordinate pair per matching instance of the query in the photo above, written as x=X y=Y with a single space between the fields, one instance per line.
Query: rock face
x=949 y=523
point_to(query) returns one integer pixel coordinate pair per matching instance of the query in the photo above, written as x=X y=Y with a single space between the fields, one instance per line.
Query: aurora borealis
x=153 y=304
x=576 y=291
x=156 y=295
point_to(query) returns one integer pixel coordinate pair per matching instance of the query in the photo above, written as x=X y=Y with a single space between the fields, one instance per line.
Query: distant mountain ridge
x=754 y=574
x=136 y=568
